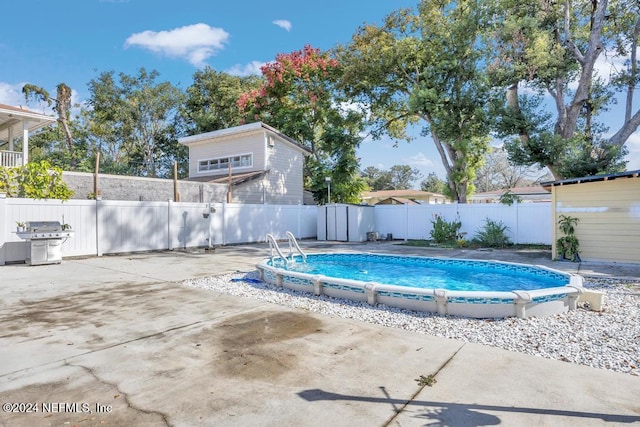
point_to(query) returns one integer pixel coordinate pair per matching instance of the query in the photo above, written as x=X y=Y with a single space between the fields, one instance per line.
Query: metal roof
x=593 y=178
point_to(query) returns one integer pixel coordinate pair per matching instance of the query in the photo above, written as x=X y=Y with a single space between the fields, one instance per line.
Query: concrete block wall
x=129 y=188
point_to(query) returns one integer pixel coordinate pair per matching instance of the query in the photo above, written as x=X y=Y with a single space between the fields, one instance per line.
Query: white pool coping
x=476 y=304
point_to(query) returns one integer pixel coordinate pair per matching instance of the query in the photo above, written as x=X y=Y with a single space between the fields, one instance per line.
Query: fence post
x=98 y=246
x=3 y=226
x=224 y=223
x=517 y=236
x=169 y=239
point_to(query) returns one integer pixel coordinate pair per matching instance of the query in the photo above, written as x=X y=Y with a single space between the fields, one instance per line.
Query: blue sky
x=176 y=38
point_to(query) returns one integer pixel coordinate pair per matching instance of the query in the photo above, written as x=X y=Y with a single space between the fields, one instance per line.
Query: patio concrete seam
x=125 y=395
x=129 y=273
x=413 y=397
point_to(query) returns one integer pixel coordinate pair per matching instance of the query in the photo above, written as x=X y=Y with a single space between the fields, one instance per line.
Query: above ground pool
x=460 y=287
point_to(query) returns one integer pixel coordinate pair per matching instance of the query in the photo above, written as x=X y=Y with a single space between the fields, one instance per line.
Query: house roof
x=407 y=194
x=399 y=200
x=236 y=130
x=519 y=191
x=593 y=178
x=236 y=179
x=14 y=117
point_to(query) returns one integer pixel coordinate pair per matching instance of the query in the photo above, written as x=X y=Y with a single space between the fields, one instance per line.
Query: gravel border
x=609 y=339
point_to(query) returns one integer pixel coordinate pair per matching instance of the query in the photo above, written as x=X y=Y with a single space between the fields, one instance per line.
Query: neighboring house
x=261 y=164
x=526 y=194
x=394 y=197
x=16 y=124
x=608 y=211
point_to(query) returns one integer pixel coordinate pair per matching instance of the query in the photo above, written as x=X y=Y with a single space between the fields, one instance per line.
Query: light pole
x=327 y=179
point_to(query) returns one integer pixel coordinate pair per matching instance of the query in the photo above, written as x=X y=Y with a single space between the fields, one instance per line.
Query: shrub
x=34 y=181
x=568 y=246
x=492 y=234
x=443 y=231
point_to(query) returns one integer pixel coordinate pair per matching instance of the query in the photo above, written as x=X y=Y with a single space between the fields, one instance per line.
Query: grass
x=471 y=245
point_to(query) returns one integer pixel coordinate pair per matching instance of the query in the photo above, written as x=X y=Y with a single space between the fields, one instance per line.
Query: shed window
x=239 y=161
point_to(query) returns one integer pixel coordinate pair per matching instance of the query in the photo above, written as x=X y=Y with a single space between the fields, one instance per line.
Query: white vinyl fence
x=106 y=227
x=527 y=222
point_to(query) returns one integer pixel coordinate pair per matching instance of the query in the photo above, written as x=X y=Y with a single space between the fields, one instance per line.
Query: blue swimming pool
x=446 y=286
x=430 y=273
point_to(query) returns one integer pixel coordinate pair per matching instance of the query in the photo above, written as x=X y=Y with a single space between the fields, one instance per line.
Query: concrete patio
x=121 y=339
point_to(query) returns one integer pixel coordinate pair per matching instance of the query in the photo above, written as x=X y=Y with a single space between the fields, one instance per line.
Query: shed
x=345 y=223
x=608 y=210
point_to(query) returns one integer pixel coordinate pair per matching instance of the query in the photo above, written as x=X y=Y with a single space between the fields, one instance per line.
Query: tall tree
x=553 y=48
x=398 y=177
x=498 y=172
x=299 y=97
x=426 y=67
x=130 y=117
x=210 y=102
x=433 y=184
x=62 y=107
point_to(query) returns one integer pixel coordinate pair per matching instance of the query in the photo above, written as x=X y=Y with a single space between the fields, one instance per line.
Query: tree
x=433 y=184
x=299 y=97
x=376 y=179
x=426 y=67
x=398 y=177
x=210 y=102
x=498 y=173
x=131 y=119
x=403 y=177
x=62 y=107
x=553 y=48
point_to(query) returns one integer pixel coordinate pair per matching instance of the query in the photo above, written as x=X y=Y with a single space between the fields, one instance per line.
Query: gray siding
x=233 y=145
x=284 y=181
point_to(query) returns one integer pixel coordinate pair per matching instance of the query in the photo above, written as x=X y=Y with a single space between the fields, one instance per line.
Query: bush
x=34 y=181
x=443 y=231
x=492 y=234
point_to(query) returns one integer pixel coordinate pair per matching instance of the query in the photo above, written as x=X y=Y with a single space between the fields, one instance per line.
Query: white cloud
x=11 y=94
x=251 y=69
x=633 y=156
x=420 y=160
x=195 y=43
x=283 y=23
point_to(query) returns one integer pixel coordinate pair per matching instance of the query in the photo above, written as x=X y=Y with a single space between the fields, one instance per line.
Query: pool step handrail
x=294 y=243
x=273 y=245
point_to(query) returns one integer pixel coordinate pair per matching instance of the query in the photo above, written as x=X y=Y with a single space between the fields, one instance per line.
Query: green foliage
x=433 y=184
x=492 y=234
x=443 y=231
x=508 y=198
x=427 y=381
x=132 y=119
x=300 y=98
x=34 y=181
x=399 y=177
x=568 y=246
x=211 y=100
x=426 y=67
x=553 y=52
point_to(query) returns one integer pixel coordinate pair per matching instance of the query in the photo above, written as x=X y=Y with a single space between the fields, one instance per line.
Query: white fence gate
x=106 y=227
x=527 y=222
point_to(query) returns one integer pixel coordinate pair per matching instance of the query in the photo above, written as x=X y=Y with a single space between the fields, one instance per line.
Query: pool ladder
x=293 y=243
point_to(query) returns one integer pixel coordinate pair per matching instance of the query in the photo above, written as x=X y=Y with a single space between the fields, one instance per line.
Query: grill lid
x=43 y=226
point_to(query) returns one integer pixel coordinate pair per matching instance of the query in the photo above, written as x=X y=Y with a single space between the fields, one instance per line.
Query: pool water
x=429 y=273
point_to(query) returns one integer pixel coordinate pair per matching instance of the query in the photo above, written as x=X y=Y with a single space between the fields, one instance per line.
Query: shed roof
x=251 y=127
x=593 y=178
